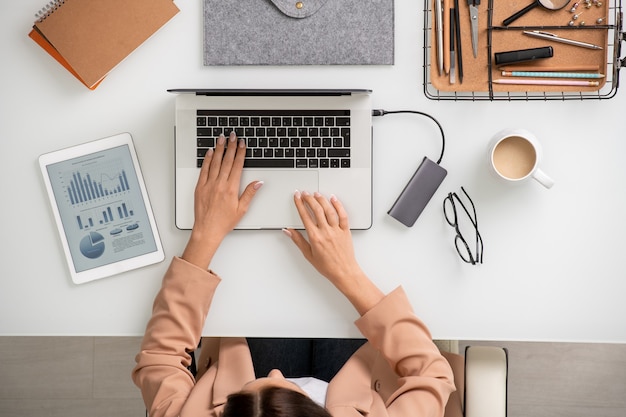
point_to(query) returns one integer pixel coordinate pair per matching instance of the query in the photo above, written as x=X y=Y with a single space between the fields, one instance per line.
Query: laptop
x=307 y=140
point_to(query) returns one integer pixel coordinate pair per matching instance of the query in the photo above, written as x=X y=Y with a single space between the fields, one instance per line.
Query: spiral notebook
x=89 y=38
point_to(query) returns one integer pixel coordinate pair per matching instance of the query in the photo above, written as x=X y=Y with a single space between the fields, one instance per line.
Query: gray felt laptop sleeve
x=292 y=32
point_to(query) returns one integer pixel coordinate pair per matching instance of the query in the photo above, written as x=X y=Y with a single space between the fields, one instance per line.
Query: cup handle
x=543 y=179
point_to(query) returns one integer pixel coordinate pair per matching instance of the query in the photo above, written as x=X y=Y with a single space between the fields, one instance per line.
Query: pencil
x=551 y=74
x=547 y=82
x=446 y=35
x=439 y=28
x=562 y=68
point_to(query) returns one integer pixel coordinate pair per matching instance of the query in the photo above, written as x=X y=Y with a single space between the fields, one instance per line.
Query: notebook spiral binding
x=48 y=9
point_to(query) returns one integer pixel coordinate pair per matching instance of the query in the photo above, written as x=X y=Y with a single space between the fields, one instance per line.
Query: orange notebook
x=90 y=37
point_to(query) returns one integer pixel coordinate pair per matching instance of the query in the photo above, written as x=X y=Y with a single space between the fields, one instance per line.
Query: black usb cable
x=380 y=112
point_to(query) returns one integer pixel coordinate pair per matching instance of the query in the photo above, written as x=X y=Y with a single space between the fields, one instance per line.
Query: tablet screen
x=102 y=209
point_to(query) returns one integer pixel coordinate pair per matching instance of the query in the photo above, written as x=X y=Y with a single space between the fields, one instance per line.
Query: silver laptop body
x=345 y=169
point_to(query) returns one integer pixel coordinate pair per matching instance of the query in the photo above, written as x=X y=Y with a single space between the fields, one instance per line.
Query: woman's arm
x=329 y=248
x=181 y=306
x=172 y=333
x=425 y=378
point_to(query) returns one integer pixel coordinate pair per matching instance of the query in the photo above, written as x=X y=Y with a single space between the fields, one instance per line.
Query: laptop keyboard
x=280 y=138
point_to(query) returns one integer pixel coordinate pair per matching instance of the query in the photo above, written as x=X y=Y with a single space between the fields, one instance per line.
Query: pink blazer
x=398 y=373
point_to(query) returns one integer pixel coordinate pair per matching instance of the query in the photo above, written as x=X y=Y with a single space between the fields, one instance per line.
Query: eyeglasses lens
x=462 y=217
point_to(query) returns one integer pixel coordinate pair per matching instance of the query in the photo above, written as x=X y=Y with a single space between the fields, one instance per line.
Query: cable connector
x=381 y=112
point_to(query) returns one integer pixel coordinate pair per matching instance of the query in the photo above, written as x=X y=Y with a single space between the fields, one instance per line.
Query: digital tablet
x=101 y=208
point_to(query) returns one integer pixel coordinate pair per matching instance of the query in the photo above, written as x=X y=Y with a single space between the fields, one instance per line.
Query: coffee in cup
x=515 y=154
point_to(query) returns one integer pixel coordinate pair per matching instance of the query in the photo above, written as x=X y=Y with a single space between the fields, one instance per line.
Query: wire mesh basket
x=610 y=31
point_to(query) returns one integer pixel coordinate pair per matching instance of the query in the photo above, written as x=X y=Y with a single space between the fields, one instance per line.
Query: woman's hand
x=218 y=207
x=330 y=250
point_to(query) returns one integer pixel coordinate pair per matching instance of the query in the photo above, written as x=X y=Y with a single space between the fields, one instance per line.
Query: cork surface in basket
x=479 y=72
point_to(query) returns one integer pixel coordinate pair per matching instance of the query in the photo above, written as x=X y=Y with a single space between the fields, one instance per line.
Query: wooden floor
x=90 y=377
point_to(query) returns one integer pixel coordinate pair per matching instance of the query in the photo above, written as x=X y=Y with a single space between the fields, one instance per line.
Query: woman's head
x=273 y=396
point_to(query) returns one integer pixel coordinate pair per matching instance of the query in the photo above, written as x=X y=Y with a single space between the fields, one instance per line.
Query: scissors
x=473 y=10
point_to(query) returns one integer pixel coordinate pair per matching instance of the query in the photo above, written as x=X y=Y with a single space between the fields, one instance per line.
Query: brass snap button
x=299 y=5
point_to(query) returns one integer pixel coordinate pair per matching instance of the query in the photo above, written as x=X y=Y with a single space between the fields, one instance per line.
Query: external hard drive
x=418 y=192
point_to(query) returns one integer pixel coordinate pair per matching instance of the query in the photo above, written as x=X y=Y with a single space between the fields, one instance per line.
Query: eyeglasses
x=451 y=214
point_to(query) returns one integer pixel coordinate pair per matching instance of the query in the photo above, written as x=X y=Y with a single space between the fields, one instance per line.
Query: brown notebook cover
x=90 y=37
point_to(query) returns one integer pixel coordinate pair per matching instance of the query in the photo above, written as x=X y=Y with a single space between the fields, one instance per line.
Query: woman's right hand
x=218 y=206
x=329 y=248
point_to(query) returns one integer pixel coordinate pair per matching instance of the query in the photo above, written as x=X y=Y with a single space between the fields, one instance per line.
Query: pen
x=548 y=82
x=557 y=38
x=457 y=30
x=439 y=23
x=552 y=74
x=452 y=53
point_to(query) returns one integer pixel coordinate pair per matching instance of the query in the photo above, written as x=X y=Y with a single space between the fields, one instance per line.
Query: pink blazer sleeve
x=178 y=315
x=425 y=378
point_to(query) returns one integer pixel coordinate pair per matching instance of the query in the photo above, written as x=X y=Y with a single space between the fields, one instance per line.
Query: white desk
x=553 y=258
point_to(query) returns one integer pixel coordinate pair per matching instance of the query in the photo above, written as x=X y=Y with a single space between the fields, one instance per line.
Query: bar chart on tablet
x=83 y=187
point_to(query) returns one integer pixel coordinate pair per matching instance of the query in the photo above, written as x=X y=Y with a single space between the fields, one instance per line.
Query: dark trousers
x=319 y=358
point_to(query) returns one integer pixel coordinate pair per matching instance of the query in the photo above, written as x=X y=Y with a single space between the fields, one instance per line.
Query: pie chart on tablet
x=92 y=245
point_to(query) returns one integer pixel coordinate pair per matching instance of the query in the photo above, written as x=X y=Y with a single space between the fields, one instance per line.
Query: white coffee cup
x=514 y=156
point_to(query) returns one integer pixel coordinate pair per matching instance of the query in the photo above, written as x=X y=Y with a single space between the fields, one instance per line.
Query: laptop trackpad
x=273 y=206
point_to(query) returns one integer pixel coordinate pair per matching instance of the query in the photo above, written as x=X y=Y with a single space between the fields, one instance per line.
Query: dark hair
x=272 y=402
